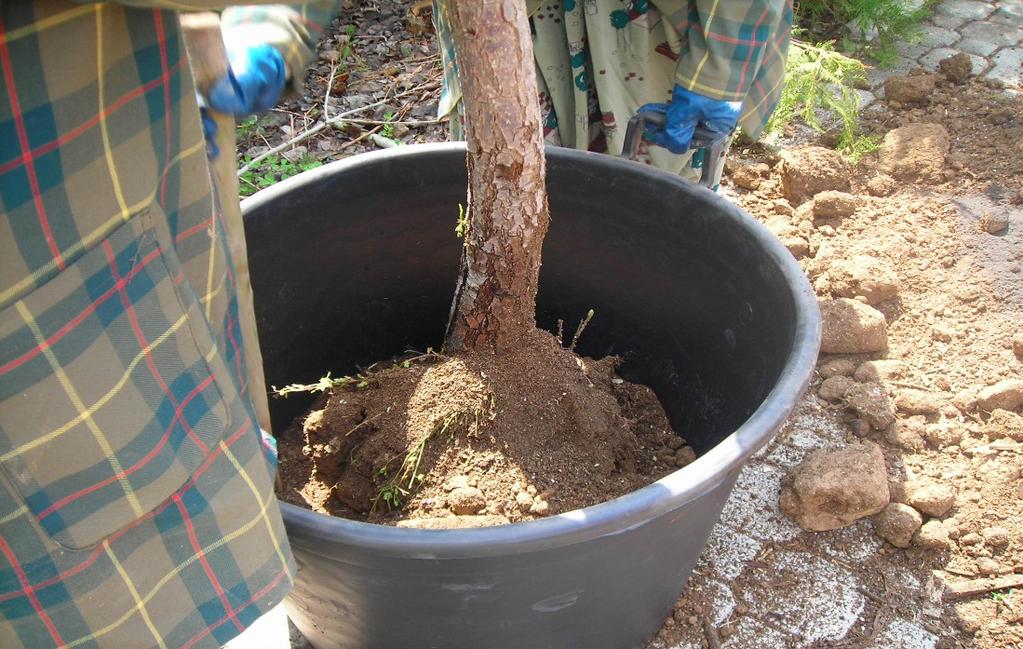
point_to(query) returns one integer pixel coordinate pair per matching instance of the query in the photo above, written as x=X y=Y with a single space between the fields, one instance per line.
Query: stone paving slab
x=966 y=9
x=990 y=32
x=1008 y=66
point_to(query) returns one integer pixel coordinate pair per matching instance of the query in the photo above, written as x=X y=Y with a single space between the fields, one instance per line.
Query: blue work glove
x=686 y=110
x=253 y=83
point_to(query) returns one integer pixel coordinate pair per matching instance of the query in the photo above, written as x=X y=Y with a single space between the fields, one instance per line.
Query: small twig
x=579 y=330
x=964 y=589
x=411 y=122
x=363 y=422
x=429 y=353
x=561 y=332
x=422 y=59
x=248 y=182
x=305 y=135
x=360 y=138
x=326 y=95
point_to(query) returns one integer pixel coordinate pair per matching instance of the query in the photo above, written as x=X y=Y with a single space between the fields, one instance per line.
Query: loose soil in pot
x=475 y=440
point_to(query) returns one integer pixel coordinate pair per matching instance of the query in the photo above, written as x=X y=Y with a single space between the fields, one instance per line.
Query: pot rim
x=715 y=466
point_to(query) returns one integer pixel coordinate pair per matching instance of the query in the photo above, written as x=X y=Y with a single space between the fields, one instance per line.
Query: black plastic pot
x=356 y=261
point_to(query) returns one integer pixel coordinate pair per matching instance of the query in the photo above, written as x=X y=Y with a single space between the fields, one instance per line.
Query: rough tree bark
x=495 y=300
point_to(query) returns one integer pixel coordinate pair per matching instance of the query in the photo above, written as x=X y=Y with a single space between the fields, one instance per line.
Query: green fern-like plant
x=846 y=21
x=819 y=80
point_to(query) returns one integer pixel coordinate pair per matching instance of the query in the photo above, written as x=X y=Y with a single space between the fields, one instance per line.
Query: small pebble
x=988 y=566
x=685 y=456
x=971 y=539
x=466 y=500
x=524 y=501
x=837 y=367
x=995 y=536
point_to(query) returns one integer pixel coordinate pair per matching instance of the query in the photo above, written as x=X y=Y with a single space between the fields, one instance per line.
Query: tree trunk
x=495 y=301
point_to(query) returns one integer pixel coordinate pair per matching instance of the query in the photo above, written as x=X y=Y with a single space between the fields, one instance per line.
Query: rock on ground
x=1004 y=424
x=1004 y=395
x=833 y=488
x=871 y=402
x=1017 y=344
x=837 y=367
x=943 y=434
x=749 y=176
x=956 y=68
x=851 y=327
x=913 y=89
x=993 y=222
x=883 y=370
x=927 y=497
x=907 y=433
x=833 y=388
x=932 y=535
x=881 y=185
x=996 y=536
x=809 y=170
x=918 y=402
x=897 y=523
x=916 y=151
x=864 y=276
x=789 y=235
x=988 y=566
x=833 y=204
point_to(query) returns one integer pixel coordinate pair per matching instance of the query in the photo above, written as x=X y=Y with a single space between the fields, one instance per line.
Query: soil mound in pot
x=478 y=440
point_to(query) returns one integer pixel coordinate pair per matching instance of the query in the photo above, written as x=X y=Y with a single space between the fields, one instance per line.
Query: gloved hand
x=253 y=83
x=686 y=110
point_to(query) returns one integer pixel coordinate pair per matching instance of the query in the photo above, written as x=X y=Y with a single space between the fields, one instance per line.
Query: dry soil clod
x=851 y=327
x=834 y=488
x=956 y=68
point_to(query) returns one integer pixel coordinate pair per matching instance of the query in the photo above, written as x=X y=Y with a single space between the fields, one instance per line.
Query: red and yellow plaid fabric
x=136 y=504
x=733 y=51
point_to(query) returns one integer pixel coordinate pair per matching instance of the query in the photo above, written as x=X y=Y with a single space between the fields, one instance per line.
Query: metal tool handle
x=713 y=144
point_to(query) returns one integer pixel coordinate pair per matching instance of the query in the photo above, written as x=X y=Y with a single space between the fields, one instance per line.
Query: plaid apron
x=136 y=502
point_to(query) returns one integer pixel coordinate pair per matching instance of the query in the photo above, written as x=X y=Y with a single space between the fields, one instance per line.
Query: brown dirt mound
x=478 y=440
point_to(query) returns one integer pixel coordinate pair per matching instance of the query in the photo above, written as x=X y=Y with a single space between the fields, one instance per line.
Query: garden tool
x=208 y=59
x=710 y=146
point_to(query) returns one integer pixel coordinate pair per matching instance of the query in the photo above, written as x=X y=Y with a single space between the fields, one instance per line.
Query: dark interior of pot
x=355 y=267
